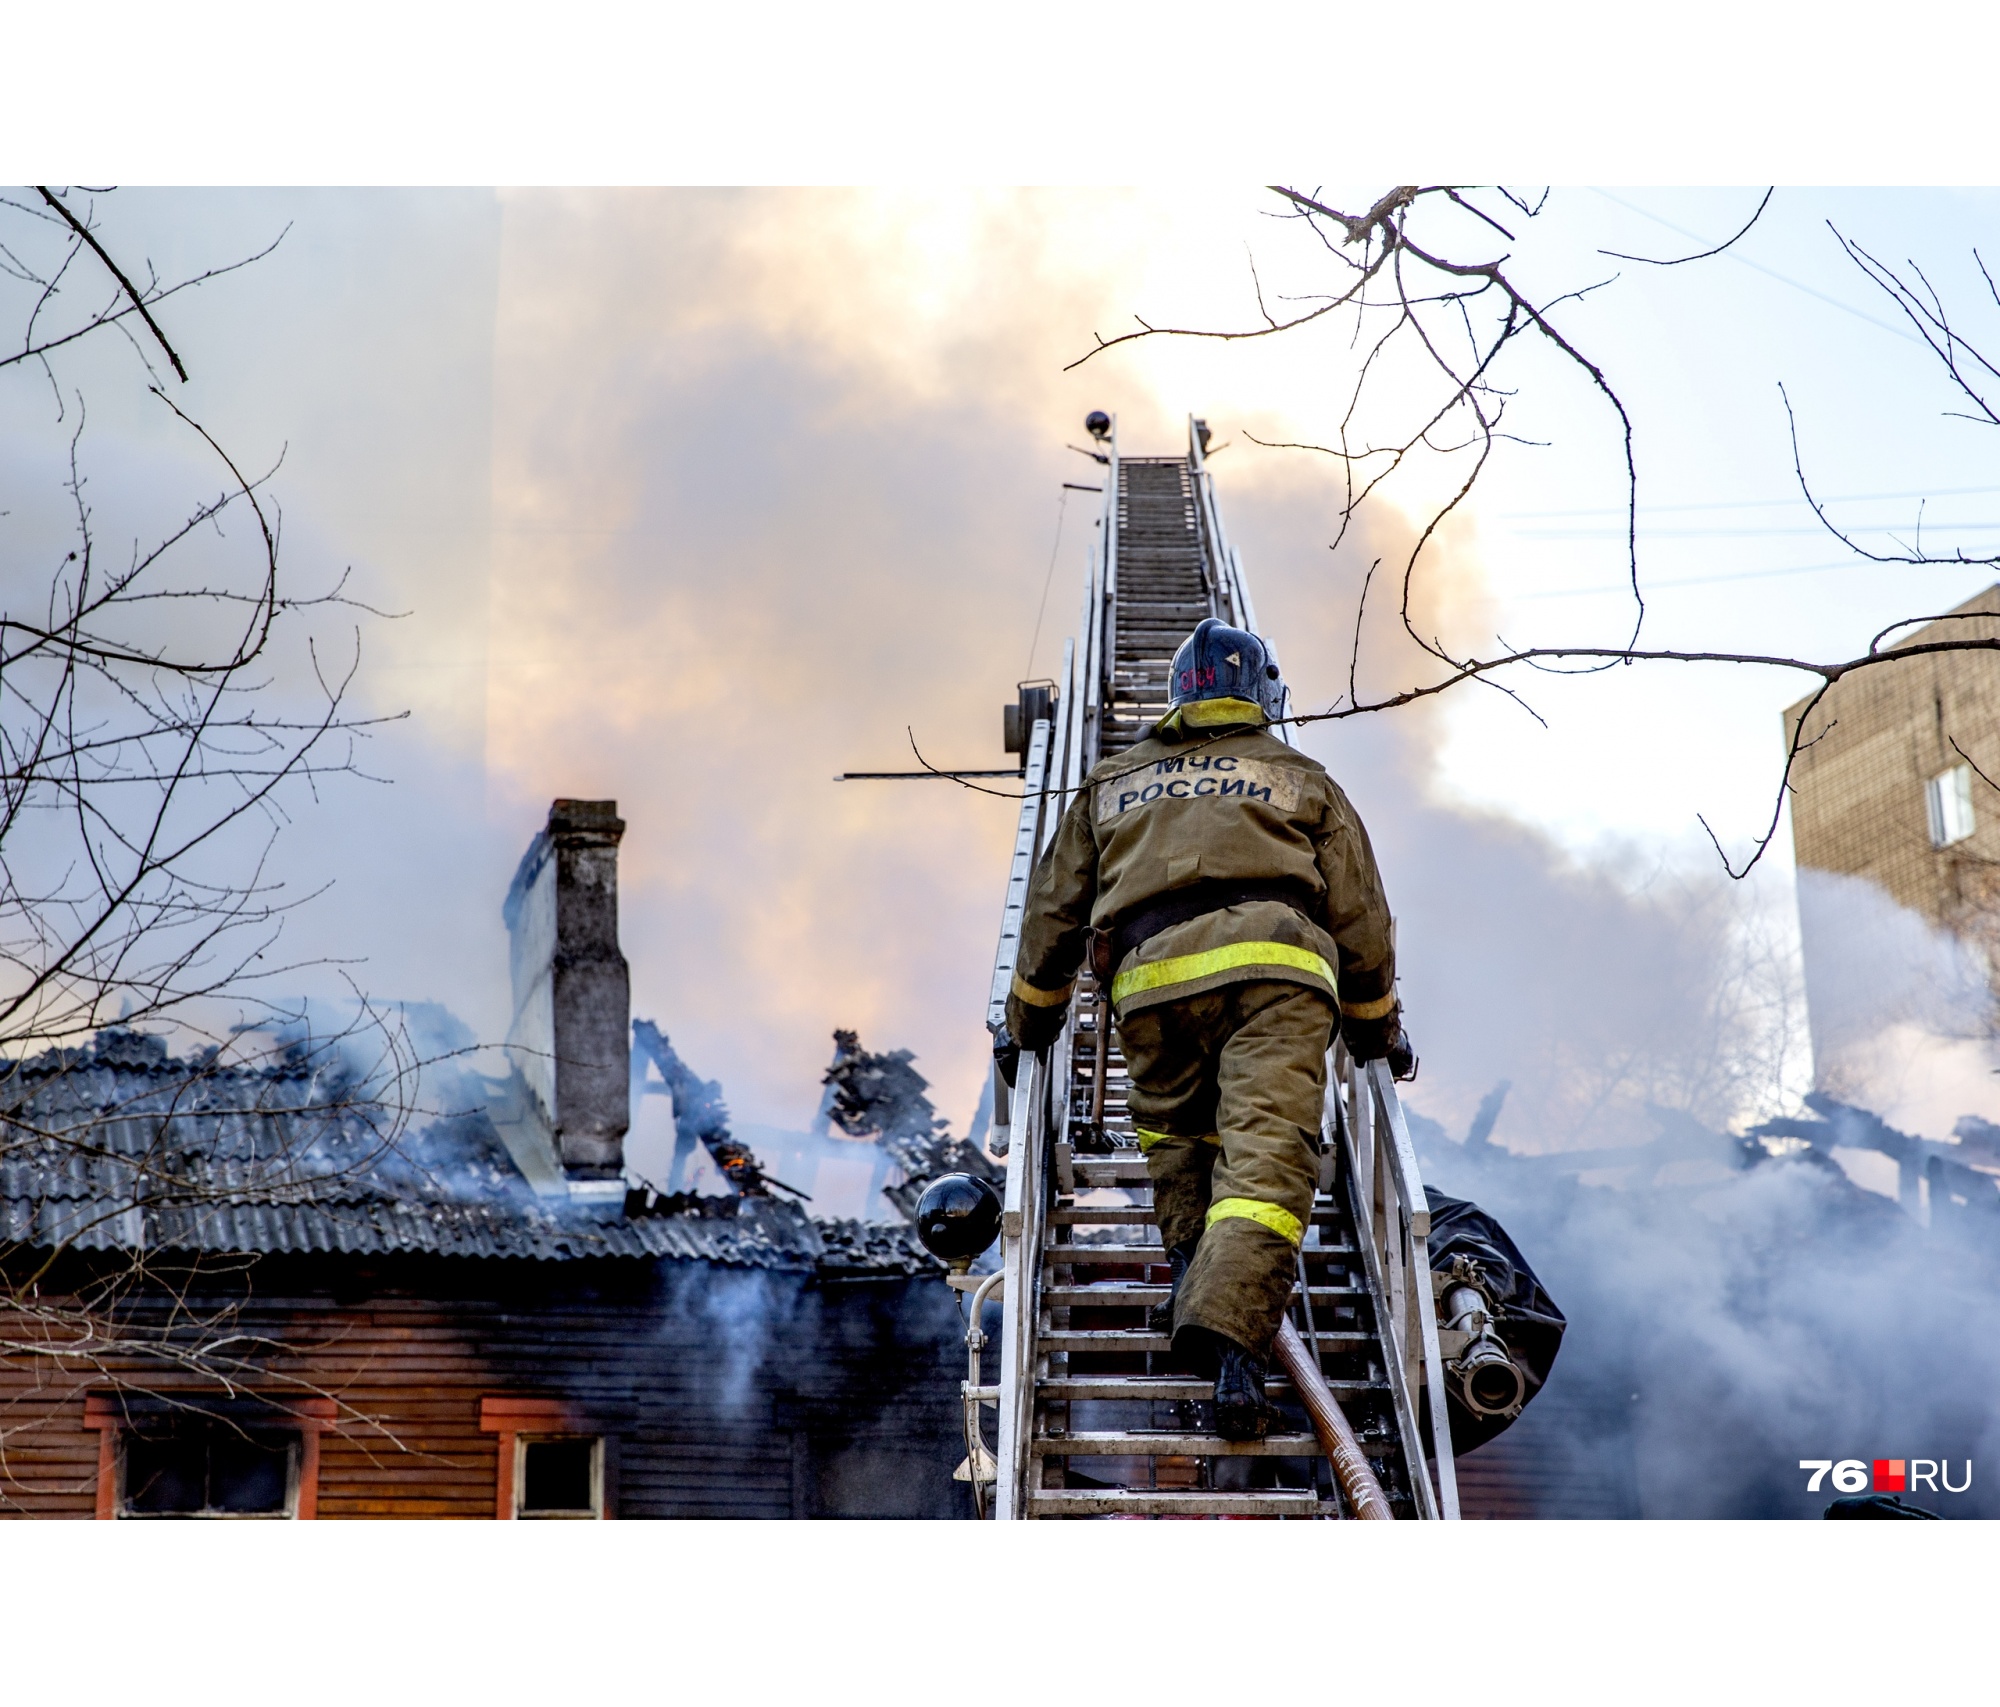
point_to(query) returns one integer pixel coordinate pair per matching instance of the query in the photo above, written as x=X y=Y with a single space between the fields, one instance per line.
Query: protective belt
x=1177 y=906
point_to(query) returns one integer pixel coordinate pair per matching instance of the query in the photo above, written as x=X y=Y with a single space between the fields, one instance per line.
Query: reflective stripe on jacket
x=1191 y=806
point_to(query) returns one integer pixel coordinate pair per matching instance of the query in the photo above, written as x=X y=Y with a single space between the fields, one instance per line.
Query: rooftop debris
x=882 y=1097
x=1963 y=1176
x=121 y=1146
x=701 y=1115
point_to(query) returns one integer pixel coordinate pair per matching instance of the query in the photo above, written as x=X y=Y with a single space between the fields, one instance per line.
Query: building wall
x=1570 y=1455
x=726 y=1392
x=1861 y=834
x=1875 y=740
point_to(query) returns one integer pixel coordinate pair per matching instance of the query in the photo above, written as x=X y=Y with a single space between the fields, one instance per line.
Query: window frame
x=522 y=1510
x=111 y=1415
x=517 y=1420
x=287 y=1509
x=1948 y=811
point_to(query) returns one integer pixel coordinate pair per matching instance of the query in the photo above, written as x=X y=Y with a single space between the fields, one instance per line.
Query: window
x=1948 y=801
x=561 y=1478
x=201 y=1454
x=209 y=1468
x=552 y=1459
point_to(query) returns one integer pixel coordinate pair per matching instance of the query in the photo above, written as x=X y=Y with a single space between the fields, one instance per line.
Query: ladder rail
x=1226 y=562
x=1215 y=546
x=1064 y=750
x=1021 y=1207
x=1027 y=846
x=1393 y=1217
x=1020 y=1263
x=1105 y=607
x=1420 y=1322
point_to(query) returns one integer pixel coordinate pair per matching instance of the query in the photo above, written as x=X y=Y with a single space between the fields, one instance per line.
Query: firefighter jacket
x=1212 y=812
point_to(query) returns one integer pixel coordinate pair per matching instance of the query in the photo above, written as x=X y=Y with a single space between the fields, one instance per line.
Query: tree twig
x=98 y=249
x=1682 y=260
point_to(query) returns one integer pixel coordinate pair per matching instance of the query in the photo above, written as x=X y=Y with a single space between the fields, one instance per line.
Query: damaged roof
x=121 y=1146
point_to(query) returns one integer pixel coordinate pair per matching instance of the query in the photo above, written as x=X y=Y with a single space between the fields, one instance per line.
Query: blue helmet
x=1220 y=662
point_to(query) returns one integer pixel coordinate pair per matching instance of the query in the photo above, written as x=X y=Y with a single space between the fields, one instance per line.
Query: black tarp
x=1525 y=1316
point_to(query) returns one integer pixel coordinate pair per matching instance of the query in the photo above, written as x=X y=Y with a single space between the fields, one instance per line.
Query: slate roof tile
x=285 y=1158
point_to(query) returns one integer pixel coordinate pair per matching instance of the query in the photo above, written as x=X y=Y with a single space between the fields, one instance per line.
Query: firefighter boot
x=1240 y=1410
x=1160 y=1319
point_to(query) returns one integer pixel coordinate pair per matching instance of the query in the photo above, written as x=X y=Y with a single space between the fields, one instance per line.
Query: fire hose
x=1336 y=1435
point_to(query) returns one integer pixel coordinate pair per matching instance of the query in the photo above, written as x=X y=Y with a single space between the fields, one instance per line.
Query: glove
x=1381 y=1040
x=1034 y=1029
x=1006 y=1055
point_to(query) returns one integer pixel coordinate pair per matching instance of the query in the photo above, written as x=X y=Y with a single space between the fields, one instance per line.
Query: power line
x=1747 y=504
x=1612 y=588
x=1904 y=333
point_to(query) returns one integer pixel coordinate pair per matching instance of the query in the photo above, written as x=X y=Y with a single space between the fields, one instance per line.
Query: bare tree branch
x=118 y=273
x=1463 y=316
x=1683 y=260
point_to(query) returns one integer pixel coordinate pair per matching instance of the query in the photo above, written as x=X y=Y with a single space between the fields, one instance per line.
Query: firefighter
x=1225 y=892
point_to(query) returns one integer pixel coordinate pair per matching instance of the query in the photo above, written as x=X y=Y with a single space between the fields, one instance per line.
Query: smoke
x=696 y=499
x=1726 y=1322
x=1902 y=1012
x=1721 y=1332
x=736 y=1311
x=1598 y=988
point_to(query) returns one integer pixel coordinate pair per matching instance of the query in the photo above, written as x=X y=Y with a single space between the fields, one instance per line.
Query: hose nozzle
x=1489 y=1381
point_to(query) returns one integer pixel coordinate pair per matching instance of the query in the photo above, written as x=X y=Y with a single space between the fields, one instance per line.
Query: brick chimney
x=571 y=1036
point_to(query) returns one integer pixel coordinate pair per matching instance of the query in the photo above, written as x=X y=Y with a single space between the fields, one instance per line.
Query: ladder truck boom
x=1093 y=1419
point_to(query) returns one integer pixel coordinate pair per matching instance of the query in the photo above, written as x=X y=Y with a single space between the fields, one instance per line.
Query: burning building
x=1737 y=1303
x=253 y=1290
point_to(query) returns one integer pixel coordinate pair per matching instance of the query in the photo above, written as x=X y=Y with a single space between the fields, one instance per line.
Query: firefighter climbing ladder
x=1092 y=1421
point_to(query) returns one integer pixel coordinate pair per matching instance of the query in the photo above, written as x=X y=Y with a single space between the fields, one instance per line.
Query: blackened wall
x=725 y=1392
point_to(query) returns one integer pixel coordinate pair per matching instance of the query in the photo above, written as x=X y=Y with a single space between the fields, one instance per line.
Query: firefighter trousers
x=1228 y=1089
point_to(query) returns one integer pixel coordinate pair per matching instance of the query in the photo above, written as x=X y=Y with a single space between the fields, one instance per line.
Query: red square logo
x=1888 y=1475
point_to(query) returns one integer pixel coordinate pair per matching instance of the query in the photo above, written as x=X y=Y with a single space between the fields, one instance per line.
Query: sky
x=694 y=499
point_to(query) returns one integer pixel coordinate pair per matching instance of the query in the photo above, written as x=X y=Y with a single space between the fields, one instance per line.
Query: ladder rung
x=1126 y=1294
x=1137 y=1339
x=1103 y=1215
x=1140 y=1502
x=1102 y=1339
x=1112 y=1443
x=1078 y=1256
x=1110 y=1170
x=1167 y=1390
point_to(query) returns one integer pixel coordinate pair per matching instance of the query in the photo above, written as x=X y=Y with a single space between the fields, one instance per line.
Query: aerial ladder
x=1093 y=1418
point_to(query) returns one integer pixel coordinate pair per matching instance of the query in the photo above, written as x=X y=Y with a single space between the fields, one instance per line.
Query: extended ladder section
x=1094 y=1420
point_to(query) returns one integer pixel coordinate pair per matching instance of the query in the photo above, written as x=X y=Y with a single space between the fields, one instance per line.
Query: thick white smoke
x=1902 y=1013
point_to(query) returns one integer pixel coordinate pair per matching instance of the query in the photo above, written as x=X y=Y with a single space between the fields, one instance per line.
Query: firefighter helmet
x=1220 y=662
x=958 y=1217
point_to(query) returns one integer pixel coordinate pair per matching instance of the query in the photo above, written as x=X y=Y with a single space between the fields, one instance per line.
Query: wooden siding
x=723 y=1392
x=1569 y=1456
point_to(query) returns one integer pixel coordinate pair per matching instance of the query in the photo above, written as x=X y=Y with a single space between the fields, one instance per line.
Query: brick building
x=1897 y=839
